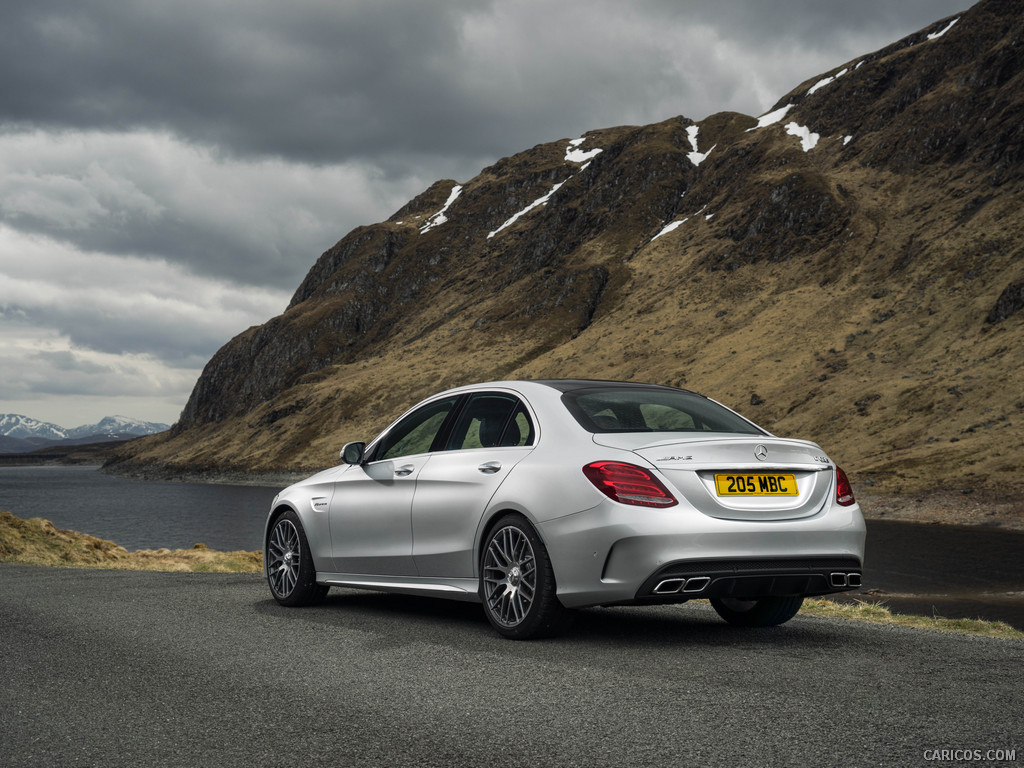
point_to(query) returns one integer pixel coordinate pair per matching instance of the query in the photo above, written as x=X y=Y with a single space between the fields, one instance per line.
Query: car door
x=371 y=510
x=491 y=434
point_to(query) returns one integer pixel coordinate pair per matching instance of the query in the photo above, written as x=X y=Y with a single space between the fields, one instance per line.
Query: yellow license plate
x=756 y=485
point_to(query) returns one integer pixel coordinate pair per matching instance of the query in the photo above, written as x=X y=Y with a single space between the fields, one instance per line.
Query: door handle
x=490 y=467
x=405 y=469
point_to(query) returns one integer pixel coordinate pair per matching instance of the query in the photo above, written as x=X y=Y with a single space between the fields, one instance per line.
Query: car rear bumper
x=749 y=578
x=615 y=554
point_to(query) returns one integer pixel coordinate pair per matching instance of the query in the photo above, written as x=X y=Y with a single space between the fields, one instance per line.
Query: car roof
x=562 y=386
x=569 y=385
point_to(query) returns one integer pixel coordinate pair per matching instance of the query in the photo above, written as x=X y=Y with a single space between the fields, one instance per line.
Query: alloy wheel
x=510 y=576
x=283 y=557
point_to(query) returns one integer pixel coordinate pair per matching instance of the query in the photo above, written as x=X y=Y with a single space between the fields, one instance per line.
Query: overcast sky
x=169 y=171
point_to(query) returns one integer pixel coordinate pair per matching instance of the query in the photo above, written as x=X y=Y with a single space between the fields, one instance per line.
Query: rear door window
x=491 y=420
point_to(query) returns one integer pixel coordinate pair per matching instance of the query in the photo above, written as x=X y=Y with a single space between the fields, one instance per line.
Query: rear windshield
x=652 y=410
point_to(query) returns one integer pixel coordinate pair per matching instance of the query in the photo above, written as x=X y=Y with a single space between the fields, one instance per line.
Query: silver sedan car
x=534 y=498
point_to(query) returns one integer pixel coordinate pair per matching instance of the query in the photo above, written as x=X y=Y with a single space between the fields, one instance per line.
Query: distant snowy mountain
x=19 y=434
x=14 y=425
x=118 y=425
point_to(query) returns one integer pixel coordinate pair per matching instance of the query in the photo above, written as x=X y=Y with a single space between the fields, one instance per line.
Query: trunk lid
x=737 y=477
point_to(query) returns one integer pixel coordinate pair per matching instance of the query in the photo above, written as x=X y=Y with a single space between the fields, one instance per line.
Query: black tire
x=762 y=612
x=517 y=583
x=290 y=570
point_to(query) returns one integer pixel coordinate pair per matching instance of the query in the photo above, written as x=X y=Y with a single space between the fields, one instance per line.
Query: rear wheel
x=762 y=612
x=290 y=570
x=518 y=583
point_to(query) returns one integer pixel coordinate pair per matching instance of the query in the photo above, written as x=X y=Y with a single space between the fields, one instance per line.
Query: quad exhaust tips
x=689 y=586
x=697 y=584
x=844 y=579
x=694 y=585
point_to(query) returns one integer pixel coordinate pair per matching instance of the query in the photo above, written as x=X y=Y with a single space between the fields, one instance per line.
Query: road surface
x=106 y=668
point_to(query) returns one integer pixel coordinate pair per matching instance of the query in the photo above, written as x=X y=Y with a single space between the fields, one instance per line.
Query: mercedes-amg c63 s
x=534 y=498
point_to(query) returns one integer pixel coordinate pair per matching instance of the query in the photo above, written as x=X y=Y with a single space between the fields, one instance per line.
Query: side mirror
x=352 y=453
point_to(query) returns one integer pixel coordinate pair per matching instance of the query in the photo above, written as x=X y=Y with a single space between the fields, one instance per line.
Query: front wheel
x=518 y=583
x=762 y=612
x=290 y=570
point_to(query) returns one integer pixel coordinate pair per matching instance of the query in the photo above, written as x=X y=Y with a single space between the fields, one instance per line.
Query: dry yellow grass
x=876 y=613
x=39 y=542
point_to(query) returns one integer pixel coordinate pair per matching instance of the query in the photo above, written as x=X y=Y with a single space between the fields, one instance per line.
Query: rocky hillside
x=846 y=268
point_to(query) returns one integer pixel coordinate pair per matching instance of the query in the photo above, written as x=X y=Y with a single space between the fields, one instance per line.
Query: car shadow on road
x=404 y=618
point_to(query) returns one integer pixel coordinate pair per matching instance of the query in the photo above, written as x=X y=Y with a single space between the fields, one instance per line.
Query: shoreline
x=279 y=479
x=982 y=507
x=978 y=508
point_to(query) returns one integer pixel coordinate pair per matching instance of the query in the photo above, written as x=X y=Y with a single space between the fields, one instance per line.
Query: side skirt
x=466 y=590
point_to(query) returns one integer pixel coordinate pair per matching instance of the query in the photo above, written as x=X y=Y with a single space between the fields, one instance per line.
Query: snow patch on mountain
x=771 y=118
x=944 y=30
x=535 y=204
x=696 y=156
x=669 y=228
x=439 y=218
x=575 y=155
x=826 y=81
x=808 y=140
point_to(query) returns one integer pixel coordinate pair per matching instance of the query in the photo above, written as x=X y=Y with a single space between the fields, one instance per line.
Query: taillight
x=844 y=491
x=628 y=484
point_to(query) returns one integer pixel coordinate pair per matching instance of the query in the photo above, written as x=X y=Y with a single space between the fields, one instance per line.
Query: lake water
x=138 y=514
x=946 y=570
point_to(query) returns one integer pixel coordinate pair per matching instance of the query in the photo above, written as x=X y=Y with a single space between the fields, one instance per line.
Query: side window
x=416 y=432
x=519 y=430
x=490 y=421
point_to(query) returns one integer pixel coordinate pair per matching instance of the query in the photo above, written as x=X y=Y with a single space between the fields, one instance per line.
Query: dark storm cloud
x=150 y=195
x=331 y=81
x=179 y=344
x=814 y=24
x=310 y=81
x=169 y=171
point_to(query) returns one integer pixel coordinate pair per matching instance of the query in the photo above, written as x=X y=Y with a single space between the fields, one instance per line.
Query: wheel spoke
x=502 y=557
x=517 y=607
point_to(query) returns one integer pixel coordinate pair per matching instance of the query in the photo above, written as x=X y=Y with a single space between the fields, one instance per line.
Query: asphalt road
x=106 y=668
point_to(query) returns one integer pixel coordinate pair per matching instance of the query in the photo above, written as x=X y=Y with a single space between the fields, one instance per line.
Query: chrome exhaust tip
x=837 y=579
x=853 y=579
x=669 y=586
x=697 y=584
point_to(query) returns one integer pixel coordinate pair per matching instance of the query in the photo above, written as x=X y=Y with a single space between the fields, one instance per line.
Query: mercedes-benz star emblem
x=760 y=452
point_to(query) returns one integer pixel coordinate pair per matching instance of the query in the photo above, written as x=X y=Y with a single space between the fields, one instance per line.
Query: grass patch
x=40 y=542
x=877 y=613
